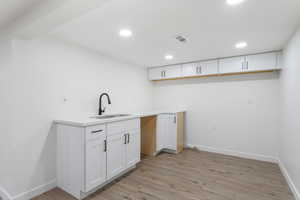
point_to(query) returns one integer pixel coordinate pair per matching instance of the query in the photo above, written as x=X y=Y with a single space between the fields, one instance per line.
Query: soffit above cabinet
x=211 y=28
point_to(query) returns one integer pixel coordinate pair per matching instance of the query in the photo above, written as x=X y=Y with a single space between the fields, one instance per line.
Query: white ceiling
x=12 y=9
x=211 y=27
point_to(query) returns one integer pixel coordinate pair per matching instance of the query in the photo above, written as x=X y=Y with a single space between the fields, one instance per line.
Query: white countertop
x=88 y=120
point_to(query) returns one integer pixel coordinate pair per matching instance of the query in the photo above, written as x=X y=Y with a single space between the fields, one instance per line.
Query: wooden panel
x=148 y=135
x=180 y=132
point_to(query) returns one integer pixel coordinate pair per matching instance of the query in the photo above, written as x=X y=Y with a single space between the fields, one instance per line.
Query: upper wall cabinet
x=231 y=65
x=165 y=72
x=261 y=62
x=156 y=73
x=235 y=65
x=200 y=69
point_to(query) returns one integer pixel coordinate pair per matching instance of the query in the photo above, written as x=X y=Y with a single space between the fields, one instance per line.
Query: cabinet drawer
x=94 y=132
x=122 y=126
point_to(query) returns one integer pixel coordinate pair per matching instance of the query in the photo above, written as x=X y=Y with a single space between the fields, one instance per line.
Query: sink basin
x=110 y=116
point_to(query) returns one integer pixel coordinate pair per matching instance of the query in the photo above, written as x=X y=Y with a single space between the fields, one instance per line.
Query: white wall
x=290 y=96
x=35 y=78
x=237 y=115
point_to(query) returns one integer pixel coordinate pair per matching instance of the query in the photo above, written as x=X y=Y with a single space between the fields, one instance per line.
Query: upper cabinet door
x=208 y=67
x=231 y=65
x=156 y=73
x=133 y=148
x=95 y=165
x=261 y=62
x=280 y=62
x=174 y=71
x=200 y=69
x=169 y=72
x=190 y=69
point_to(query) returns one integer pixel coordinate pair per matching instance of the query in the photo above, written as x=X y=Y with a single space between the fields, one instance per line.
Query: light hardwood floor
x=193 y=175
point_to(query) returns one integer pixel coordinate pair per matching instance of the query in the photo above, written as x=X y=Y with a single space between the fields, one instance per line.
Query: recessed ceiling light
x=169 y=57
x=234 y=2
x=125 y=33
x=241 y=45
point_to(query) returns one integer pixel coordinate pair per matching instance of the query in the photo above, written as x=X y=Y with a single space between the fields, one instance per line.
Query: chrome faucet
x=101 y=111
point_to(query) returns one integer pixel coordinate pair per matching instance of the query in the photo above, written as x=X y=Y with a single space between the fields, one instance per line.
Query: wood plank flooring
x=193 y=175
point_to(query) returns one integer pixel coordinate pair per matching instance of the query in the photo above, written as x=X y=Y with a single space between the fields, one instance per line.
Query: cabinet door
x=156 y=73
x=171 y=132
x=161 y=132
x=260 y=62
x=190 y=69
x=200 y=69
x=174 y=71
x=133 y=148
x=231 y=65
x=280 y=61
x=208 y=67
x=95 y=169
x=116 y=154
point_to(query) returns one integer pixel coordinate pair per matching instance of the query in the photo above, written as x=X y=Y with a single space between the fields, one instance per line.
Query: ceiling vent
x=181 y=39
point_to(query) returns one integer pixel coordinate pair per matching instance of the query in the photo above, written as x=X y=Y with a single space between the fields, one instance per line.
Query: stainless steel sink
x=110 y=116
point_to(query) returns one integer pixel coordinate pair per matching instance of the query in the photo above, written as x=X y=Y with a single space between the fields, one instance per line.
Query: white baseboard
x=4 y=194
x=35 y=191
x=235 y=153
x=289 y=180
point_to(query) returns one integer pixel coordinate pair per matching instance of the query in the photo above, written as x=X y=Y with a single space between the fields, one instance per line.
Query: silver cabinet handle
x=163 y=73
x=97 y=131
x=199 y=70
x=245 y=65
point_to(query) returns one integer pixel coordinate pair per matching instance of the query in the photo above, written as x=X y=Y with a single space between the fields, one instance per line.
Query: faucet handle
x=103 y=110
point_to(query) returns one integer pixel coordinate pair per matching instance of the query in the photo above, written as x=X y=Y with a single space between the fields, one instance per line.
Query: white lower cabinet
x=95 y=163
x=90 y=157
x=166 y=132
x=133 y=146
x=116 y=155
